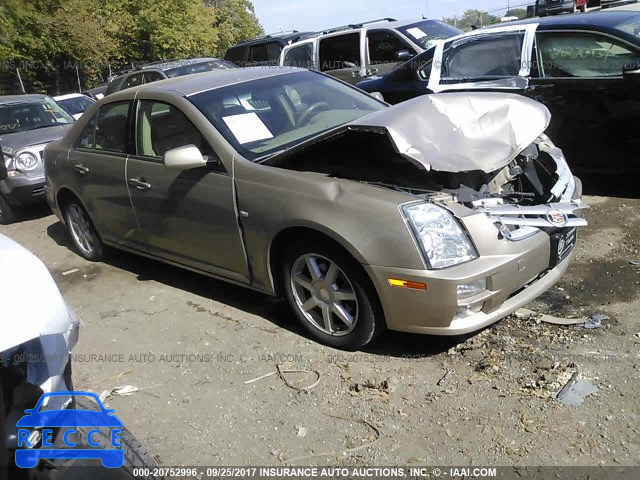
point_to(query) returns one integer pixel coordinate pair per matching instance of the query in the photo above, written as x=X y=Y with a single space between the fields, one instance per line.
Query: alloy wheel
x=81 y=229
x=324 y=294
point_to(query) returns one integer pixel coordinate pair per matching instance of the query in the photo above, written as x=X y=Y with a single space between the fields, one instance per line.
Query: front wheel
x=331 y=295
x=82 y=231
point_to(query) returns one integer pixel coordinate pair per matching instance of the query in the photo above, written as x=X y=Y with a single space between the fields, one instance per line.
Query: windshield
x=187 y=68
x=262 y=117
x=630 y=25
x=426 y=32
x=75 y=105
x=25 y=115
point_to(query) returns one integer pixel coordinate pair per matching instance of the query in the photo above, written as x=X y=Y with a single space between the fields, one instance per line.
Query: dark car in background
x=554 y=7
x=584 y=68
x=152 y=72
x=262 y=51
x=27 y=124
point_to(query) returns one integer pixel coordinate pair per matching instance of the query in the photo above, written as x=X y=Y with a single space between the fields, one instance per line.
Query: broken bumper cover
x=512 y=281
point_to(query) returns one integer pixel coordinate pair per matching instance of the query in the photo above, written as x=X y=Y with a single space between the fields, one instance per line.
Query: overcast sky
x=320 y=14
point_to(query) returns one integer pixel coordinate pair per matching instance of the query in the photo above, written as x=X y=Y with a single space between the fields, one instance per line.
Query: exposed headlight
x=26 y=161
x=443 y=241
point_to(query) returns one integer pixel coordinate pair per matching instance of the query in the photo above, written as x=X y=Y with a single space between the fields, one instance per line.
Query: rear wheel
x=331 y=295
x=83 y=233
x=8 y=213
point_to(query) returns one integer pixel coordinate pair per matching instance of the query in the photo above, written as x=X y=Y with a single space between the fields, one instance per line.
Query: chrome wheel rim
x=324 y=295
x=81 y=229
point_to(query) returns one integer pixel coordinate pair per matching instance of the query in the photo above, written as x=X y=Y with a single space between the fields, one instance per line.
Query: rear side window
x=581 y=54
x=163 y=127
x=152 y=77
x=236 y=54
x=108 y=130
x=274 y=49
x=340 y=51
x=300 y=56
x=133 y=81
x=494 y=55
x=258 y=53
x=384 y=46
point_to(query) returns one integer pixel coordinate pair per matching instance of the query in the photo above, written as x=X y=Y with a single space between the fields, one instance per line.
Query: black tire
x=369 y=318
x=91 y=250
x=8 y=213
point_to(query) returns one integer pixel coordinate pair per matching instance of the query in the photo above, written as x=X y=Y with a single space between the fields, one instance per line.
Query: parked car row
x=585 y=69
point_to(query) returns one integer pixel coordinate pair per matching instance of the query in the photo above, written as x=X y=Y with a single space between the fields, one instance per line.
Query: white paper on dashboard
x=247 y=128
x=416 y=33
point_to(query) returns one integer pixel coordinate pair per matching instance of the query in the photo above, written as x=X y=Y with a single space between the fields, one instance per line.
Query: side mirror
x=403 y=55
x=377 y=96
x=184 y=158
x=349 y=65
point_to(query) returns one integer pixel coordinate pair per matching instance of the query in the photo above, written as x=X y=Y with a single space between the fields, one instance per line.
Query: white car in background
x=37 y=333
x=74 y=103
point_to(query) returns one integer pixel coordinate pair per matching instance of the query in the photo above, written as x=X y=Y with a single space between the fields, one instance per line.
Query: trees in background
x=53 y=42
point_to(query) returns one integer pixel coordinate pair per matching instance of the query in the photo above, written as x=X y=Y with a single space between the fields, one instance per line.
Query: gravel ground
x=190 y=344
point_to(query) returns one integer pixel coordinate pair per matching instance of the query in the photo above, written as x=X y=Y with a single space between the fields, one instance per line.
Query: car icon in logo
x=81 y=432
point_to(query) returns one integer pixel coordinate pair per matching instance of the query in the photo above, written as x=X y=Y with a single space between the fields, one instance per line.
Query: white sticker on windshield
x=416 y=33
x=247 y=128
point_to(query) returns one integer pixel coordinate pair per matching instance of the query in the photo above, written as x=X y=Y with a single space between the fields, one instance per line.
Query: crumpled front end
x=522 y=220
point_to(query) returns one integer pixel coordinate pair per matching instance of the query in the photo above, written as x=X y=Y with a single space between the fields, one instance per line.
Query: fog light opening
x=471 y=289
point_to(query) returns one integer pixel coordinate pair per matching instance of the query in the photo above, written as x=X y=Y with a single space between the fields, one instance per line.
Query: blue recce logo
x=68 y=423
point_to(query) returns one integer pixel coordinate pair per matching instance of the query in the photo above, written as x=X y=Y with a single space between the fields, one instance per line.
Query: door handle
x=81 y=169
x=139 y=183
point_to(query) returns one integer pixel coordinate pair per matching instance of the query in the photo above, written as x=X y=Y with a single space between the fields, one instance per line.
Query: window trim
x=632 y=47
x=127 y=151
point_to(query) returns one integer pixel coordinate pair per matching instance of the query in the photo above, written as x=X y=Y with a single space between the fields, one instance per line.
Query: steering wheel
x=311 y=111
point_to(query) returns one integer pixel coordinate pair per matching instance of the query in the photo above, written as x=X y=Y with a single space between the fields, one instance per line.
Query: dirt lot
x=191 y=343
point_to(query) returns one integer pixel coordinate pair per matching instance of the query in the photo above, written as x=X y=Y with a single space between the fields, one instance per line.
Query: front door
x=595 y=109
x=340 y=55
x=187 y=216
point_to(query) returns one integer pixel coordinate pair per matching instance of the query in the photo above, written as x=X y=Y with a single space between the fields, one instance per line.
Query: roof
x=179 y=62
x=200 y=82
x=20 y=98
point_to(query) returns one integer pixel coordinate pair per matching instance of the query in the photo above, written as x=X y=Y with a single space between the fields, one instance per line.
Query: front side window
x=484 y=56
x=300 y=56
x=339 y=52
x=162 y=127
x=108 y=130
x=582 y=54
x=384 y=46
x=262 y=117
x=30 y=114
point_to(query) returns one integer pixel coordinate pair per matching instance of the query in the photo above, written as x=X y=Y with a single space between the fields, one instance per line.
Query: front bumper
x=23 y=190
x=512 y=282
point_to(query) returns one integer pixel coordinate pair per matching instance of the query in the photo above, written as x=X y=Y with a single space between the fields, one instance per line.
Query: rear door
x=98 y=161
x=595 y=109
x=188 y=216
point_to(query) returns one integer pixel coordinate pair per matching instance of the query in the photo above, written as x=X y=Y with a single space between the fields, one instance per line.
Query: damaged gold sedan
x=440 y=215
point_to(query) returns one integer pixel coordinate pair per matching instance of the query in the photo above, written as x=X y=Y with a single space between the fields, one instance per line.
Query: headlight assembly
x=26 y=161
x=442 y=240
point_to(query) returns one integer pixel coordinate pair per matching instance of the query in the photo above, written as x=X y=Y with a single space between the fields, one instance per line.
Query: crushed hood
x=455 y=132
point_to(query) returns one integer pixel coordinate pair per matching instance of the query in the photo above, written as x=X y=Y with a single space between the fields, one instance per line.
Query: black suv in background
x=262 y=51
x=151 y=72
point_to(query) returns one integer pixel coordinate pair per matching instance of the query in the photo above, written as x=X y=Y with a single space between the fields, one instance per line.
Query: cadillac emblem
x=557 y=218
